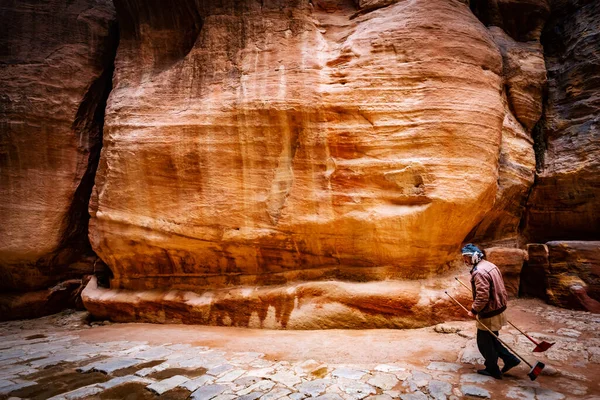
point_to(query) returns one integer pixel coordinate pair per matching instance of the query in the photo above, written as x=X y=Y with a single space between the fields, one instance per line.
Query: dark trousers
x=490 y=348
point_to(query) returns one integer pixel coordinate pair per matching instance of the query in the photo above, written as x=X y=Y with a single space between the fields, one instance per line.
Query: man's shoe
x=510 y=365
x=488 y=373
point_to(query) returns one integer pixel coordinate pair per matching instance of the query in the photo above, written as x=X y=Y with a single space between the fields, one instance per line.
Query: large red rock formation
x=294 y=163
x=55 y=73
x=250 y=144
x=288 y=142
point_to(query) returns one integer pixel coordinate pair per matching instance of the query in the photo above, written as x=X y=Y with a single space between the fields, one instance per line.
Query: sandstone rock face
x=565 y=202
x=307 y=305
x=574 y=274
x=524 y=77
x=510 y=262
x=55 y=71
x=258 y=145
x=297 y=164
x=568 y=272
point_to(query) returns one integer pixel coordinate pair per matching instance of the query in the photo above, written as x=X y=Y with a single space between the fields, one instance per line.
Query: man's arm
x=482 y=293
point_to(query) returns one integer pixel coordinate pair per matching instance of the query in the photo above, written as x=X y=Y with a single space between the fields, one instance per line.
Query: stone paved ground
x=63 y=357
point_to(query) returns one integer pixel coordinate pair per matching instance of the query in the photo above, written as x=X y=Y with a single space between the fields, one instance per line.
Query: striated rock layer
x=307 y=305
x=55 y=73
x=565 y=202
x=249 y=145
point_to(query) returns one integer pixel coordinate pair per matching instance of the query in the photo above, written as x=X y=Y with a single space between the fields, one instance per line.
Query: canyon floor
x=64 y=356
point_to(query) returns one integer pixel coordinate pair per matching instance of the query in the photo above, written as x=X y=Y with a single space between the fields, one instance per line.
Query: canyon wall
x=563 y=209
x=300 y=164
x=55 y=72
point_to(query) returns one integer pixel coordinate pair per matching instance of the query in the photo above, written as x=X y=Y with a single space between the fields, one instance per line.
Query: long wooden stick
x=490 y=331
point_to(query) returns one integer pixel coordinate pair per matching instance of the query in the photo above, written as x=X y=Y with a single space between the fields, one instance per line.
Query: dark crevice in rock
x=521 y=20
x=539 y=139
x=89 y=121
x=562 y=204
x=182 y=20
x=366 y=7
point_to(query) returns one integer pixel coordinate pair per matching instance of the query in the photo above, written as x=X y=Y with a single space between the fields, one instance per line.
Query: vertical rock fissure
x=89 y=121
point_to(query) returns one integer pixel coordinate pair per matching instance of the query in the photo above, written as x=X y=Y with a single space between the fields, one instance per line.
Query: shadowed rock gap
x=89 y=118
x=55 y=279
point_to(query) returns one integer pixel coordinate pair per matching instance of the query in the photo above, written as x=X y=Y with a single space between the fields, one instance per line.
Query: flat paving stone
x=414 y=396
x=276 y=393
x=195 y=383
x=439 y=390
x=330 y=396
x=13 y=370
x=314 y=388
x=251 y=396
x=262 y=373
x=224 y=397
x=80 y=393
x=208 y=392
x=244 y=382
x=287 y=378
x=155 y=353
x=444 y=366
x=547 y=394
x=120 y=380
x=383 y=381
x=167 y=384
x=348 y=373
x=5 y=382
x=262 y=386
x=521 y=393
x=231 y=376
x=389 y=368
x=476 y=378
x=115 y=364
x=216 y=371
x=475 y=391
x=13 y=353
x=356 y=389
x=16 y=386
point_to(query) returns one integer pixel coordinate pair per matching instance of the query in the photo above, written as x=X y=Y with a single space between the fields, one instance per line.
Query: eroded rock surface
x=55 y=73
x=292 y=143
x=568 y=272
x=564 y=204
x=259 y=154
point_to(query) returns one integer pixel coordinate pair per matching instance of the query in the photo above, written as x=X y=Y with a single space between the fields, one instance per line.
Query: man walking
x=489 y=304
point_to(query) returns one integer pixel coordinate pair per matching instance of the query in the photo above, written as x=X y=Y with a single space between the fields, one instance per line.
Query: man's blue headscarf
x=474 y=252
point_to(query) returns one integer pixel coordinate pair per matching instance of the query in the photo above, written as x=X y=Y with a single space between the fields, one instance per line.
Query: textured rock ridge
x=55 y=70
x=308 y=305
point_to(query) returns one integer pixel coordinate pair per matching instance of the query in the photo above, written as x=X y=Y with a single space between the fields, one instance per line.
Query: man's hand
x=471 y=314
